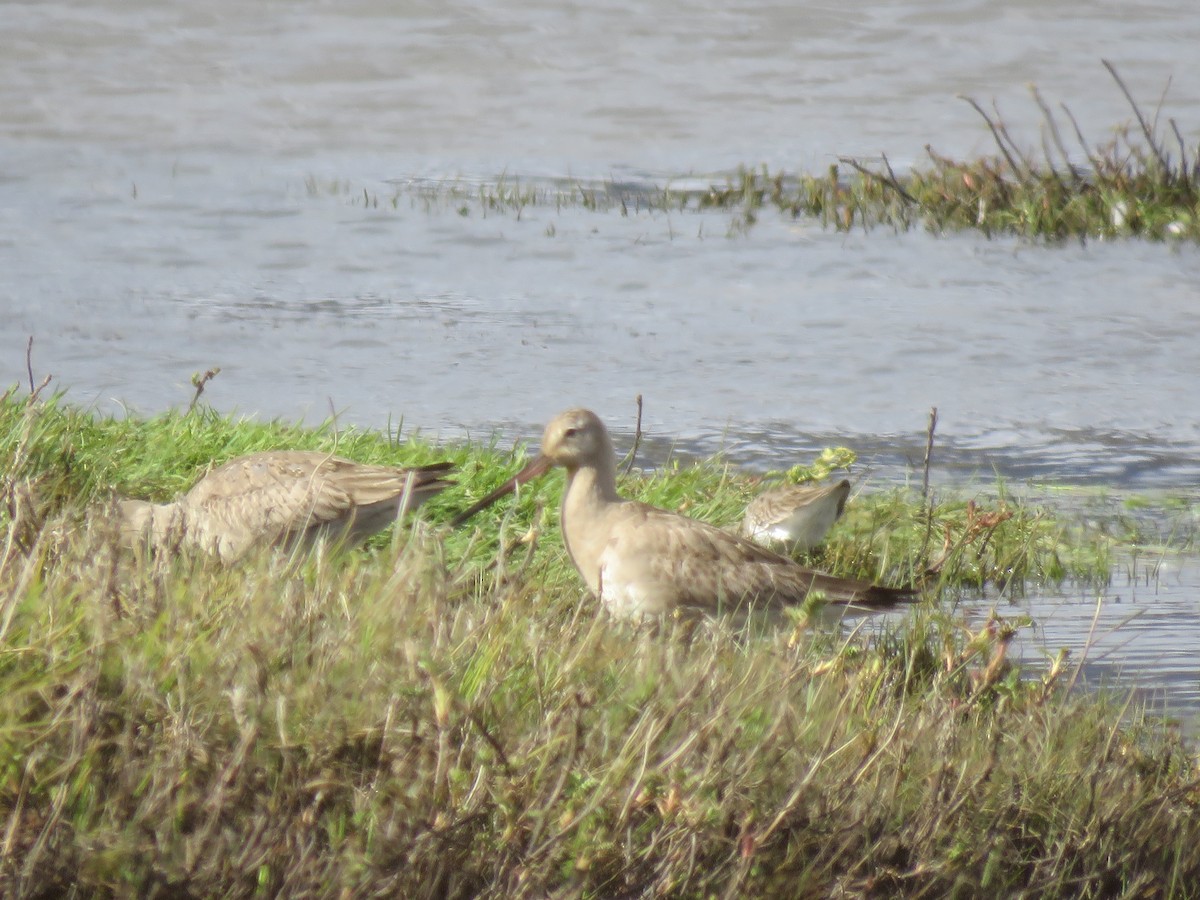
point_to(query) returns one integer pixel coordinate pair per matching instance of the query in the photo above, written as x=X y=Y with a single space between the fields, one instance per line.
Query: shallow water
x=186 y=186
x=1137 y=635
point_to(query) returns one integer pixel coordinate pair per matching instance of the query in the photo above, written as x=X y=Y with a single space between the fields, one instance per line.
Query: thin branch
x=1184 y=177
x=925 y=489
x=198 y=382
x=36 y=391
x=1062 y=185
x=1146 y=130
x=637 y=437
x=1027 y=166
x=888 y=180
x=891 y=172
x=1162 y=101
x=1055 y=135
x=1095 y=163
x=33 y=391
x=995 y=132
x=929 y=450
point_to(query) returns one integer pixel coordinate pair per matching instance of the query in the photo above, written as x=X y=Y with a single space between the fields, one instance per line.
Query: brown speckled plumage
x=280 y=497
x=640 y=560
x=795 y=516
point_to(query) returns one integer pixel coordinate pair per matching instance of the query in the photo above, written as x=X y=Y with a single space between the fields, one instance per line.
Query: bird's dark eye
x=571 y=432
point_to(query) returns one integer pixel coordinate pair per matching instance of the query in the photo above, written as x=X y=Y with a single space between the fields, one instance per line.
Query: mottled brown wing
x=280 y=492
x=777 y=505
x=709 y=568
x=367 y=485
x=265 y=494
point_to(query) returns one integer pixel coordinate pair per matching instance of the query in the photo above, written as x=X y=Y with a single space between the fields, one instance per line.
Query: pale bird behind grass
x=795 y=517
x=282 y=497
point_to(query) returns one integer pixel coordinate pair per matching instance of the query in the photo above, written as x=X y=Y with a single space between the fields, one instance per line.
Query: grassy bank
x=1143 y=181
x=444 y=714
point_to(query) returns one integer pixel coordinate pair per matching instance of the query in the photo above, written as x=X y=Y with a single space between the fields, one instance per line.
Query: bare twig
x=1050 y=161
x=1184 y=176
x=888 y=180
x=34 y=392
x=199 y=381
x=333 y=423
x=1095 y=163
x=925 y=486
x=1055 y=136
x=1027 y=167
x=1048 y=115
x=944 y=162
x=637 y=437
x=995 y=132
x=891 y=172
x=1162 y=101
x=1146 y=130
x=928 y=450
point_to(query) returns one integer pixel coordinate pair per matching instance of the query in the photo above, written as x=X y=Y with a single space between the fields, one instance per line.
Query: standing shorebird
x=640 y=560
x=795 y=516
x=284 y=496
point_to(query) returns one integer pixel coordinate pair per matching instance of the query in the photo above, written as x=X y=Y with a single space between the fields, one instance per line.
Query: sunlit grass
x=448 y=714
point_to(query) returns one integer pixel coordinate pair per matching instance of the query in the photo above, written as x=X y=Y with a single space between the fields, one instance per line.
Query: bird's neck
x=590 y=494
x=591 y=486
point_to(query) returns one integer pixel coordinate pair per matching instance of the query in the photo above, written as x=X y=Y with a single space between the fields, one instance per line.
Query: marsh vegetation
x=1142 y=181
x=445 y=714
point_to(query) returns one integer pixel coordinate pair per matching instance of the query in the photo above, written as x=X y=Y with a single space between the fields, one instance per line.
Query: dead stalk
x=637 y=437
x=198 y=382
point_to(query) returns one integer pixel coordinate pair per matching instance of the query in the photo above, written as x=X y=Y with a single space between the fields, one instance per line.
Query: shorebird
x=640 y=561
x=795 y=516
x=282 y=496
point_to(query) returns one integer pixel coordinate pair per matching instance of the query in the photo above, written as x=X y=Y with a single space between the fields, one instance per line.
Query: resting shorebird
x=640 y=560
x=795 y=516
x=283 y=496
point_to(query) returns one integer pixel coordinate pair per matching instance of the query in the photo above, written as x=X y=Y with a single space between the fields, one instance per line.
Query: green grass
x=446 y=714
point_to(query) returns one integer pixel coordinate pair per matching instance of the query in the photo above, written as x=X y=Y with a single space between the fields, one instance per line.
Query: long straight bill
x=538 y=466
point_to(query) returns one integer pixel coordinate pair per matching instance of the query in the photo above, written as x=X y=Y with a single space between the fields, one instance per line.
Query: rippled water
x=193 y=185
x=1138 y=634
